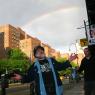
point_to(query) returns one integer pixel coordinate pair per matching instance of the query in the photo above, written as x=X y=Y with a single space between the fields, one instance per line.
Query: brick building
x=15 y=37
x=2 y=52
x=11 y=36
x=27 y=45
x=47 y=49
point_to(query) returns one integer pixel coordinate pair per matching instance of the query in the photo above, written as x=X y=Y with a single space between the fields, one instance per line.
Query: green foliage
x=16 y=60
x=16 y=54
x=61 y=59
x=74 y=64
x=65 y=72
x=3 y=65
x=68 y=70
x=13 y=64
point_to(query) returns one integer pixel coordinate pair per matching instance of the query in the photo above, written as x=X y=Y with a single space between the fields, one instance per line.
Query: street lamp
x=85 y=27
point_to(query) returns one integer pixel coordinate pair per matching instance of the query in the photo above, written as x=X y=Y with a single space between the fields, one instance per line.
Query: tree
x=16 y=54
x=13 y=64
x=16 y=60
x=74 y=64
x=61 y=59
x=67 y=71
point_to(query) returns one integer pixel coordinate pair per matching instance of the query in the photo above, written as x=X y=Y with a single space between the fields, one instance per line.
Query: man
x=44 y=73
x=88 y=66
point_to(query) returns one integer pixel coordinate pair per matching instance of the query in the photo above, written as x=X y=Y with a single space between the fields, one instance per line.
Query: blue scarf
x=59 y=89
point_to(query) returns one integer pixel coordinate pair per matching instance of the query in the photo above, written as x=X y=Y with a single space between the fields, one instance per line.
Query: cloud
x=19 y=12
x=58 y=28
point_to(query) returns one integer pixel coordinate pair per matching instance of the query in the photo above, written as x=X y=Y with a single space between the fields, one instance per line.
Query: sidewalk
x=14 y=85
x=76 y=90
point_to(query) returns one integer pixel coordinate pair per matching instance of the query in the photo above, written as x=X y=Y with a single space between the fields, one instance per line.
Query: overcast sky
x=54 y=22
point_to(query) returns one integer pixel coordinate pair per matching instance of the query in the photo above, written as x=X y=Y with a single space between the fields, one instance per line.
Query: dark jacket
x=32 y=74
x=88 y=66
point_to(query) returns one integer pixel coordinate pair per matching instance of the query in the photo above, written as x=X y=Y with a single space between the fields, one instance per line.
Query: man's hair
x=86 y=48
x=36 y=48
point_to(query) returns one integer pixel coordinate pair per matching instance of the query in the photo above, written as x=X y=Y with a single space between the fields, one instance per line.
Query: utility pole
x=85 y=26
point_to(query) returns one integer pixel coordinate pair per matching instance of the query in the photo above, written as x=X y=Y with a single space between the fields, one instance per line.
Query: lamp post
x=85 y=27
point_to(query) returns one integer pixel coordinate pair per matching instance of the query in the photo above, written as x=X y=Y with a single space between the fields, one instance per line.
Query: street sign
x=83 y=42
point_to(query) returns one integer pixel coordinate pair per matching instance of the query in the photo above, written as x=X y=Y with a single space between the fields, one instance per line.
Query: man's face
x=40 y=54
x=86 y=52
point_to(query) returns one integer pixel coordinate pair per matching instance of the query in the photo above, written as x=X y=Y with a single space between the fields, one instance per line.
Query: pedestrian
x=88 y=66
x=44 y=72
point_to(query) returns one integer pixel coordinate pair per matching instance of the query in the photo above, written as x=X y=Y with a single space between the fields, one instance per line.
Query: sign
x=83 y=42
x=91 y=35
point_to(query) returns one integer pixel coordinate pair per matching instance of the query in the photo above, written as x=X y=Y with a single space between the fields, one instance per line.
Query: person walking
x=88 y=66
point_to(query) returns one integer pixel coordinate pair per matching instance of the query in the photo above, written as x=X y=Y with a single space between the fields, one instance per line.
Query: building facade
x=90 y=4
x=27 y=45
x=47 y=49
x=11 y=36
x=2 y=52
x=15 y=37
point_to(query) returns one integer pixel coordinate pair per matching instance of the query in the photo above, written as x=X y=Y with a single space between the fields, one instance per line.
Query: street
x=24 y=89
x=20 y=89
